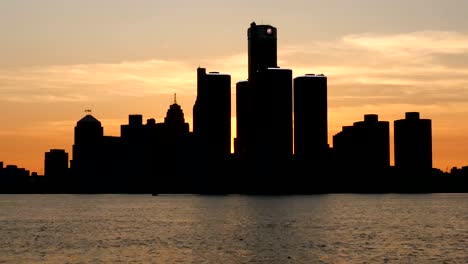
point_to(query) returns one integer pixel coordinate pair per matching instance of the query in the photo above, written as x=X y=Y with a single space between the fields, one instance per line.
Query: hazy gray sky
x=95 y=31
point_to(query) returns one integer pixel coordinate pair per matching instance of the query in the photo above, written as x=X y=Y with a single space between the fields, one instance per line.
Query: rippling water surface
x=344 y=228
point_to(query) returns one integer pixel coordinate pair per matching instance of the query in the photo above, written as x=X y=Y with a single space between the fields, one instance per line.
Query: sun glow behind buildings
x=46 y=86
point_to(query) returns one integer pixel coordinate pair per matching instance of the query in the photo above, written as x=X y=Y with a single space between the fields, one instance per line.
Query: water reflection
x=343 y=228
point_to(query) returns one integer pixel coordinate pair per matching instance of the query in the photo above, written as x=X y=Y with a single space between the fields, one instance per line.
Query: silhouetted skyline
x=385 y=58
x=166 y=157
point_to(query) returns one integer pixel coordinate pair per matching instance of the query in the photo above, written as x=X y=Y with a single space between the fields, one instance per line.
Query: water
x=343 y=228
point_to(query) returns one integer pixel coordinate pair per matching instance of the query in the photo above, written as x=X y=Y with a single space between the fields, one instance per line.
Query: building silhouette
x=281 y=145
x=272 y=131
x=136 y=150
x=14 y=179
x=262 y=48
x=87 y=151
x=413 y=150
x=243 y=111
x=362 y=154
x=56 y=168
x=176 y=154
x=270 y=148
x=264 y=107
x=413 y=144
x=311 y=118
x=135 y=161
x=212 y=113
x=262 y=53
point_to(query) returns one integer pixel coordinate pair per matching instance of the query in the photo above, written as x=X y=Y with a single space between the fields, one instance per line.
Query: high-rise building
x=56 y=164
x=87 y=164
x=174 y=122
x=262 y=48
x=133 y=132
x=365 y=146
x=212 y=113
x=264 y=101
x=88 y=131
x=89 y=135
x=243 y=113
x=373 y=139
x=271 y=116
x=310 y=117
x=413 y=145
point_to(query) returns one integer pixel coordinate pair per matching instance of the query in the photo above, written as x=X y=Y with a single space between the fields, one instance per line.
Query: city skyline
x=408 y=68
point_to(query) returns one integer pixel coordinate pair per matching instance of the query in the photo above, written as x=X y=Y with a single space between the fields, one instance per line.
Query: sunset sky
x=116 y=57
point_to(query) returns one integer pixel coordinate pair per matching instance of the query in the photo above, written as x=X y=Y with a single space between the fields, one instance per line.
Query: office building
x=310 y=117
x=272 y=131
x=413 y=145
x=364 y=148
x=243 y=114
x=212 y=113
x=56 y=164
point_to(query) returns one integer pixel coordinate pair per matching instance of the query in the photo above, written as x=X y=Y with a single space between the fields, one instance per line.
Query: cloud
x=424 y=71
x=410 y=68
x=88 y=82
x=415 y=44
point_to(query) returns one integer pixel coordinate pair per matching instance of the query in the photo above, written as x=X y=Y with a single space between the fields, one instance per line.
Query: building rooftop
x=311 y=75
x=89 y=119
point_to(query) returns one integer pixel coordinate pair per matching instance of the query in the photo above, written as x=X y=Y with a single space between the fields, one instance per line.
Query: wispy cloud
x=423 y=71
x=402 y=68
x=86 y=82
x=414 y=44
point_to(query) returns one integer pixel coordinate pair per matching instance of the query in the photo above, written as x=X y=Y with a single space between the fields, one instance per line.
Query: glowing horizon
x=59 y=59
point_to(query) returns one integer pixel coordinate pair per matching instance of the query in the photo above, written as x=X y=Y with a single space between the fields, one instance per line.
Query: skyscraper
x=363 y=151
x=243 y=112
x=310 y=117
x=413 y=145
x=133 y=132
x=87 y=165
x=89 y=136
x=88 y=131
x=272 y=131
x=212 y=113
x=56 y=165
x=174 y=122
x=262 y=47
x=266 y=92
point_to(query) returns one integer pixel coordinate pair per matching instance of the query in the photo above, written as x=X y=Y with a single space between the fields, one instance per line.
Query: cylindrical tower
x=310 y=116
x=262 y=47
x=272 y=129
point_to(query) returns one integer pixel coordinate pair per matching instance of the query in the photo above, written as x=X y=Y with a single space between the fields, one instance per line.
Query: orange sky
x=58 y=58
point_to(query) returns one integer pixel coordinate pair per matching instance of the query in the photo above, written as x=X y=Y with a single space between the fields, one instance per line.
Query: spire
x=88 y=118
x=175 y=98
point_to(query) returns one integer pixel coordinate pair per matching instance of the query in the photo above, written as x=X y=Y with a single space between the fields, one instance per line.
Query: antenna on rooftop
x=175 y=98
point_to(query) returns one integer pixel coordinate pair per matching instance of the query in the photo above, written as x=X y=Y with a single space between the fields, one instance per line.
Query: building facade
x=310 y=117
x=413 y=145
